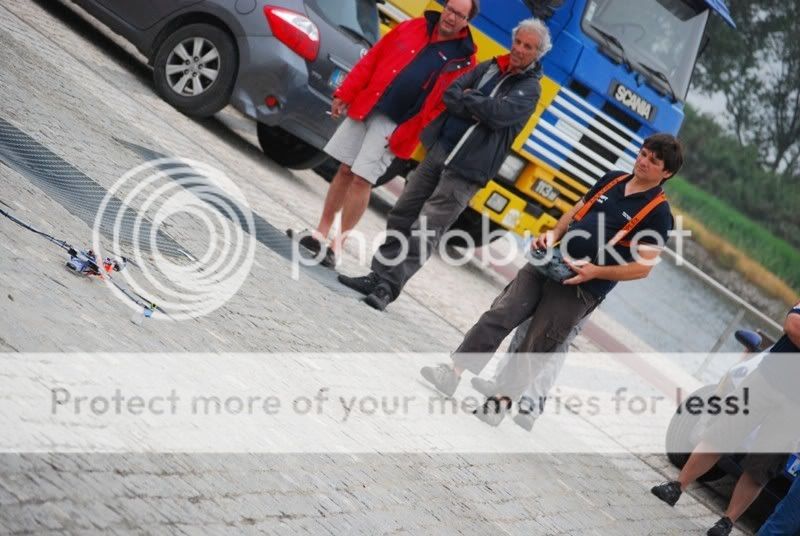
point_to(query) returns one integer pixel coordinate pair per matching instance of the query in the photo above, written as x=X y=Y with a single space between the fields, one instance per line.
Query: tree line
x=750 y=157
x=719 y=164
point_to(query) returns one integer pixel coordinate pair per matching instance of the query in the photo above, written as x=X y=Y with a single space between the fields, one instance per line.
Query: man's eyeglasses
x=460 y=16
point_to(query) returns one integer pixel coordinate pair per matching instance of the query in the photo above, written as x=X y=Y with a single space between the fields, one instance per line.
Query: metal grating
x=74 y=190
x=265 y=233
x=82 y=196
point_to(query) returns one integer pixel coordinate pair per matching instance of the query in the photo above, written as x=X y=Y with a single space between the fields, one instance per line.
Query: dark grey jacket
x=499 y=118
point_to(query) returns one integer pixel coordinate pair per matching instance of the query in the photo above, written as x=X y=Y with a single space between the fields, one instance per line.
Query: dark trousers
x=554 y=310
x=433 y=194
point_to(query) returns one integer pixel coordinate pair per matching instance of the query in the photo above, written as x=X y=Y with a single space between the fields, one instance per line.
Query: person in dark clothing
x=785 y=520
x=773 y=407
x=620 y=206
x=486 y=109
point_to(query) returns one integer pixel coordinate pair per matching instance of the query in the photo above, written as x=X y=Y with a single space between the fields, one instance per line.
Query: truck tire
x=398 y=167
x=194 y=69
x=287 y=150
x=470 y=222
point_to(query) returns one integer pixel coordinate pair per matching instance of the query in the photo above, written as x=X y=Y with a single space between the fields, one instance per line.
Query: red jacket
x=372 y=76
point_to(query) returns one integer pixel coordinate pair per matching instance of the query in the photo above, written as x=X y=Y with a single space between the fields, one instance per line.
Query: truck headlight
x=511 y=168
x=496 y=202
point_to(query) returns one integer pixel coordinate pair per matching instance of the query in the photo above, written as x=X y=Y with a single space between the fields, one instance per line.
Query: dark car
x=685 y=431
x=277 y=61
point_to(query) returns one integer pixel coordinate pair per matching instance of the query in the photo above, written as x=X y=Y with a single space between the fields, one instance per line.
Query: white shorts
x=364 y=146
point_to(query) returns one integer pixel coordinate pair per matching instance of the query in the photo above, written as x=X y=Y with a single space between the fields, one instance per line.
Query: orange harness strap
x=586 y=206
x=637 y=218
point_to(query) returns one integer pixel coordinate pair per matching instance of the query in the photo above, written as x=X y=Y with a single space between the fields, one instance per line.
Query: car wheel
x=681 y=433
x=288 y=150
x=194 y=69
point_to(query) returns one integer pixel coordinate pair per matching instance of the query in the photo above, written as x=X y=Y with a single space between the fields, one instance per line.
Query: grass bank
x=738 y=242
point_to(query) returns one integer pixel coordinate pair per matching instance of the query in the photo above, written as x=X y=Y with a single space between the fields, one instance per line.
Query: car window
x=358 y=16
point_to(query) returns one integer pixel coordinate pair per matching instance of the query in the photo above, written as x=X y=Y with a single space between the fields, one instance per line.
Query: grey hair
x=540 y=29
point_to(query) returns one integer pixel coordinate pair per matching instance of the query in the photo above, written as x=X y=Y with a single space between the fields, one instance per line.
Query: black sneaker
x=485 y=387
x=723 y=527
x=379 y=298
x=442 y=377
x=669 y=492
x=525 y=420
x=364 y=284
x=329 y=259
x=305 y=239
x=493 y=410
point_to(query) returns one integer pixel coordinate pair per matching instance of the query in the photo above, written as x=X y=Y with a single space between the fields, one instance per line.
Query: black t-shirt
x=404 y=97
x=585 y=238
x=781 y=370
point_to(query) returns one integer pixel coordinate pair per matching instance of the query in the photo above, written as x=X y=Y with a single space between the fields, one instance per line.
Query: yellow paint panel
x=530 y=226
x=581 y=187
x=539 y=170
x=488 y=48
x=513 y=217
x=413 y=8
x=410 y=8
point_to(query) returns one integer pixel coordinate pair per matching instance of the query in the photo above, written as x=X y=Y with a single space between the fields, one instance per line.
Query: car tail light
x=272 y=102
x=294 y=30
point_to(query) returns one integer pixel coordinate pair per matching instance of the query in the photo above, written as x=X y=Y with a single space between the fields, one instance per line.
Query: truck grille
x=581 y=141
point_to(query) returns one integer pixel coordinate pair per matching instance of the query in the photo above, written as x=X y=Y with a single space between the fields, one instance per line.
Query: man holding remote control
x=615 y=233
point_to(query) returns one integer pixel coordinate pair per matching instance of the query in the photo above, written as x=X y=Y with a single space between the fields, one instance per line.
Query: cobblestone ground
x=87 y=98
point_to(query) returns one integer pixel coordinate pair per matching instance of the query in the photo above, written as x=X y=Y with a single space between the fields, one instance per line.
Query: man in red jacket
x=388 y=98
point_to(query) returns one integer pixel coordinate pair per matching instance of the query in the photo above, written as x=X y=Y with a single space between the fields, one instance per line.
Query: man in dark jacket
x=486 y=109
x=386 y=100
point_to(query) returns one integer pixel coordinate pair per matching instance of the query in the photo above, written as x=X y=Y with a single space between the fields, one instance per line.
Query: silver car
x=277 y=61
